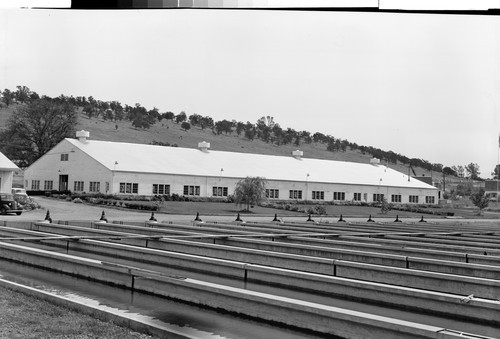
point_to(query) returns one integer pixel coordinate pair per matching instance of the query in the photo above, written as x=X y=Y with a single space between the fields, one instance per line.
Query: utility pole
x=444 y=184
x=498 y=167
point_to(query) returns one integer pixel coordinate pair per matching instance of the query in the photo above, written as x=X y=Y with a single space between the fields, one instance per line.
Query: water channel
x=204 y=323
x=194 y=321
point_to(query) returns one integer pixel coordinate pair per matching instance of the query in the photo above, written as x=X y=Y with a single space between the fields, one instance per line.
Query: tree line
x=265 y=128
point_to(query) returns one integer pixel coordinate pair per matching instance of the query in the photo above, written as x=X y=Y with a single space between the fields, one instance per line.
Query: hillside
x=170 y=132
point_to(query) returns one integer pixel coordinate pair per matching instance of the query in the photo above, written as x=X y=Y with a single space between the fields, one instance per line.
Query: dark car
x=8 y=204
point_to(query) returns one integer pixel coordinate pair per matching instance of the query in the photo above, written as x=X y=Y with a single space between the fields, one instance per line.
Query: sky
x=423 y=85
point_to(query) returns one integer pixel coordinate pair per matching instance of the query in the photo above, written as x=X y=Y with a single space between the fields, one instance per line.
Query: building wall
x=491 y=185
x=176 y=184
x=6 y=178
x=78 y=167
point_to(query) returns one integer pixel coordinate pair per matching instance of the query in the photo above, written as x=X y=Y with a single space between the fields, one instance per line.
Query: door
x=63 y=182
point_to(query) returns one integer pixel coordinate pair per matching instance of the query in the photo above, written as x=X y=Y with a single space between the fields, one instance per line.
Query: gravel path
x=65 y=210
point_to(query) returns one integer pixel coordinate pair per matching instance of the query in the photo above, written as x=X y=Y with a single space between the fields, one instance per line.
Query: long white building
x=83 y=165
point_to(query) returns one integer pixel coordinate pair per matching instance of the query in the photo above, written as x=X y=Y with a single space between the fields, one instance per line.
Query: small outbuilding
x=7 y=169
x=92 y=166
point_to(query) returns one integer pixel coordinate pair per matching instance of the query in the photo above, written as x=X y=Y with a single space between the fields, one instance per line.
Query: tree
x=168 y=116
x=7 y=97
x=225 y=126
x=22 y=94
x=89 y=110
x=40 y=125
x=250 y=191
x=155 y=114
x=250 y=131
x=319 y=137
x=480 y=200
x=181 y=117
x=240 y=127
x=496 y=172
x=449 y=171
x=460 y=170
x=206 y=122
x=473 y=171
x=186 y=126
x=194 y=119
x=385 y=206
x=108 y=115
x=140 y=117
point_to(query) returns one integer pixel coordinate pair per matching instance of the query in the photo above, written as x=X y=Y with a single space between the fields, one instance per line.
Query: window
x=94 y=186
x=378 y=197
x=295 y=194
x=64 y=157
x=318 y=195
x=396 y=198
x=219 y=191
x=48 y=185
x=191 y=190
x=413 y=199
x=35 y=184
x=161 y=189
x=338 y=195
x=272 y=193
x=78 y=187
x=129 y=187
x=357 y=196
x=429 y=199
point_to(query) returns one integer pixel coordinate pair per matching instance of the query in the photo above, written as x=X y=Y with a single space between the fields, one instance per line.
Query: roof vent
x=204 y=146
x=82 y=135
x=375 y=161
x=297 y=154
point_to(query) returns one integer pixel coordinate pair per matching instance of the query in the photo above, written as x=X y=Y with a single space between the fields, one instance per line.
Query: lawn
x=224 y=209
x=25 y=317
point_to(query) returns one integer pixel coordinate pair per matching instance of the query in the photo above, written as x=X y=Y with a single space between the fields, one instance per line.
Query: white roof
x=6 y=164
x=127 y=157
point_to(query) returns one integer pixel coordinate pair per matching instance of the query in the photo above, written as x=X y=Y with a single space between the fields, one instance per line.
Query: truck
x=8 y=204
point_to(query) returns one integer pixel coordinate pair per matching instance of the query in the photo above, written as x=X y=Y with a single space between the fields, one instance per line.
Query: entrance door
x=63 y=182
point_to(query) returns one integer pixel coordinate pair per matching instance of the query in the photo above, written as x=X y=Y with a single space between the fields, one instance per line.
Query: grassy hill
x=169 y=132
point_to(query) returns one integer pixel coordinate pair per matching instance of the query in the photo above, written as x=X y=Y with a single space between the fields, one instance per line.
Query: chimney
x=297 y=154
x=82 y=135
x=204 y=146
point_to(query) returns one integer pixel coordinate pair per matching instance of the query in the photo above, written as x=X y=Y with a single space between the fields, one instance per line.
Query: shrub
x=29 y=204
x=320 y=210
x=78 y=201
x=385 y=206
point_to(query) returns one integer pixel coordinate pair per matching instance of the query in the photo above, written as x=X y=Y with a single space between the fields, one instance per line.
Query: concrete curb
x=147 y=326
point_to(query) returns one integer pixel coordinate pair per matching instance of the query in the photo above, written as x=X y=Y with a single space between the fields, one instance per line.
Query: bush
x=78 y=201
x=139 y=206
x=29 y=204
x=321 y=210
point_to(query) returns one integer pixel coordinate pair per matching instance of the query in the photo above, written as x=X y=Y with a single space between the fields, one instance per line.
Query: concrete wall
x=306 y=315
x=387 y=294
x=6 y=179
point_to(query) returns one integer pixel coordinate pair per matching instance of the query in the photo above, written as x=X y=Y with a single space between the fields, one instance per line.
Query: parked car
x=19 y=192
x=8 y=204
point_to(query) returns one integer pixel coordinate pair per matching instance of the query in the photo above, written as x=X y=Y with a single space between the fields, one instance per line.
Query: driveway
x=65 y=210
